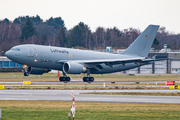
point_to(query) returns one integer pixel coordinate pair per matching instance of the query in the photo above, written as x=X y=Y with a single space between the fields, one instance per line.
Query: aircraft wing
x=96 y=64
x=108 y=62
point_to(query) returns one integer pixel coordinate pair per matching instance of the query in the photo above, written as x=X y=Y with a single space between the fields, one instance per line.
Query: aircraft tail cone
x=58 y=74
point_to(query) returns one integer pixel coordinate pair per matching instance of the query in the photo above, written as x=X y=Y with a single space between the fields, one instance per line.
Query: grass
x=83 y=88
x=58 y=110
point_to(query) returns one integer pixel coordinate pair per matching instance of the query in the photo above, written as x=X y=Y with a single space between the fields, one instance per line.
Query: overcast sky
x=105 y=13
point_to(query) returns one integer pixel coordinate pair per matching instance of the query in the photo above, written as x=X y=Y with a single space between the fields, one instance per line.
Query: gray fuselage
x=48 y=57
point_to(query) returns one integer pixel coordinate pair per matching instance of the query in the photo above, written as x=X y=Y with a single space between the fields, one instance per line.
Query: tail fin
x=142 y=45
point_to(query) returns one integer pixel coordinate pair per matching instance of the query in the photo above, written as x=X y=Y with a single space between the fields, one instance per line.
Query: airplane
x=39 y=59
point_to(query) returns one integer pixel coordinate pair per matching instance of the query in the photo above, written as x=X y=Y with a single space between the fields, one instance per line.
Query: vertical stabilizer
x=142 y=45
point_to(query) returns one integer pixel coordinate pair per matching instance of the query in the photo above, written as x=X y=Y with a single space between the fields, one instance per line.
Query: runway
x=65 y=95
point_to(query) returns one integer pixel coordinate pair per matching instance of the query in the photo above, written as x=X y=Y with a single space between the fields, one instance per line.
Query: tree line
x=33 y=30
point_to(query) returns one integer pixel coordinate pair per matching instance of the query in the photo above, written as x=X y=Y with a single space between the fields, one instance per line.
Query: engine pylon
x=58 y=74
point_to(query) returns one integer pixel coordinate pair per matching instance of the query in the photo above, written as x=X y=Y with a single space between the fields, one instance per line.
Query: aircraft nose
x=8 y=54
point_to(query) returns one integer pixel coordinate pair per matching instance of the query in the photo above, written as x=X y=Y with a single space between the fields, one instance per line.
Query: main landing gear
x=64 y=78
x=85 y=79
x=88 y=78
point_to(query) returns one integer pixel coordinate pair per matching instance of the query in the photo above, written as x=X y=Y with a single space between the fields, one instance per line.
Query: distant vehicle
x=39 y=59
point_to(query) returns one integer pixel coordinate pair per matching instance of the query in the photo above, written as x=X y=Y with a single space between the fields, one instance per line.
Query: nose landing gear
x=26 y=74
x=27 y=70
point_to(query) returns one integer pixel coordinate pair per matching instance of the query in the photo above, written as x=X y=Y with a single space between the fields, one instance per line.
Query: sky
x=122 y=14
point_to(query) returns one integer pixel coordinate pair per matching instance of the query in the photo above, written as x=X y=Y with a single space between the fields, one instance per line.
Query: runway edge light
x=1 y=86
x=171 y=87
x=27 y=82
x=176 y=87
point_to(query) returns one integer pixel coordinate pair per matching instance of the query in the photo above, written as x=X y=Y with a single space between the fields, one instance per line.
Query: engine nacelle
x=36 y=71
x=73 y=68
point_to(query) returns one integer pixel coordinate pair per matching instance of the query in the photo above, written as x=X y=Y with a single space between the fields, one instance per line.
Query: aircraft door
x=30 y=52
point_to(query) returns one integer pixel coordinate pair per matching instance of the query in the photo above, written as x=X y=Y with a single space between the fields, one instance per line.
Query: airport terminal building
x=6 y=63
x=171 y=66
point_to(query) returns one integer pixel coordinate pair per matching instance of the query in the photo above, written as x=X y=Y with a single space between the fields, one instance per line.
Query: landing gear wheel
x=64 y=79
x=68 y=79
x=26 y=74
x=85 y=79
x=88 y=79
x=91 y=79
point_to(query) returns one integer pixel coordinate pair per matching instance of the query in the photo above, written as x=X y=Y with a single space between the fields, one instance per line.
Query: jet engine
x=37 y=71
x=73 y=68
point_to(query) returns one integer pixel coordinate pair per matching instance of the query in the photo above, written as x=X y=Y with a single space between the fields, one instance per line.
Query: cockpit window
x=15 y=49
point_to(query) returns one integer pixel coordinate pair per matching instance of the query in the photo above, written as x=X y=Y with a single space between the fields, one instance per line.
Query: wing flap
x=96 y=64
x=108 y=62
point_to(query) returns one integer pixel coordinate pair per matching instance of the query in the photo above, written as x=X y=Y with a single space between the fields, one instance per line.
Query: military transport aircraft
x=39 y=59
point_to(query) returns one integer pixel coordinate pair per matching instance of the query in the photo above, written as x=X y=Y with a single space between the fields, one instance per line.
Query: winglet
x=142 y=45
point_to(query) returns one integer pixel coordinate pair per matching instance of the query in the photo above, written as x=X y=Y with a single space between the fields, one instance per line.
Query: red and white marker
x=73 y=106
